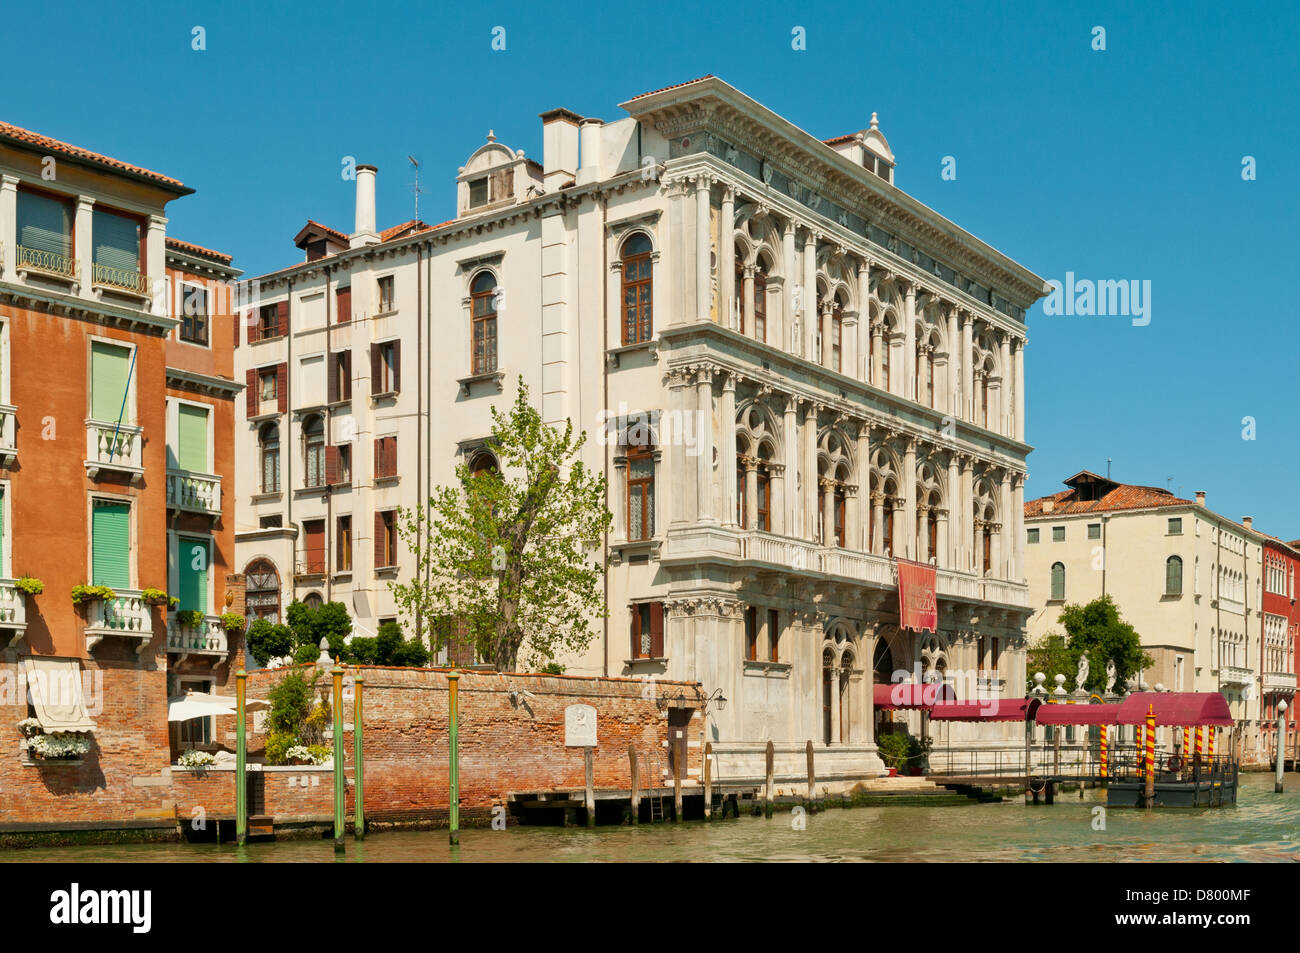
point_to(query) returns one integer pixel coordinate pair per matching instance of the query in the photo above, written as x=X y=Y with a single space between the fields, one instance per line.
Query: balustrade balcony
x=207 y=638
x=126 y=616
x=110 y=446
x=8 y=431
x=1279 y=681
x=194 y=492
x=13 y=607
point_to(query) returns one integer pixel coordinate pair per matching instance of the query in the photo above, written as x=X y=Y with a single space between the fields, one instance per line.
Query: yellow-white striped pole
x=1200 y=740
x=1150 y=793
x=1103 y=752
x=1187 y=742
x=1213 y=732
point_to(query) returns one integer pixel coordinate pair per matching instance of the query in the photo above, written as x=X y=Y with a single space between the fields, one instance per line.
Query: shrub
x=189 y=618
x=82 y=594
x=267 y=640
x=553 y=668
x=30 y=585
x=278 y=744
x=893 y=749
x=292 y=699
x=320 y=754
x=363 y=650
x=232 y=622
x=306 y=654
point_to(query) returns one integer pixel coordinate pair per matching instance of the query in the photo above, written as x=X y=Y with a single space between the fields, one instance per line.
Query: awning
x=1176 y=708
x=991 y=709
x=909 y=695
x=1065 y=714
x=201 y=705
x=54 y=688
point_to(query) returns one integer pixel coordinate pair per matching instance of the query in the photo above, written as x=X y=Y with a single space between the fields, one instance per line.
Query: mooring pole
x=241 y=761
x=708 y=781
x=1149 y=789
x=359 y=822
x=588 y=786
x=812 y=779
x=771 y=777
x=635 y=815
x=1103 y=753
x=679 y=761
x=1281 y=748
x=453 y=758
x=340 y=772
x=1200 y=743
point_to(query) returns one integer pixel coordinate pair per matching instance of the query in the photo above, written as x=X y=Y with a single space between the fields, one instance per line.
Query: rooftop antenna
x=1169 y=483
x=416 y=163
x=1108 y=468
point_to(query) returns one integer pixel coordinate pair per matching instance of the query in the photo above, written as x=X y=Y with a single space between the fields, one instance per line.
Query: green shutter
x=192 y=438
x=192 y=559
x=110 y=367
x=44 y=224
x=116 y=240
x=111 y=545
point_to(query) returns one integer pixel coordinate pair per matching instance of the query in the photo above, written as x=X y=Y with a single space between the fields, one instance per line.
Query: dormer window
x=478 y=192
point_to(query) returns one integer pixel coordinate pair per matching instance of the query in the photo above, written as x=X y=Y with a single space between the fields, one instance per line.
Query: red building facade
x=1279 y=638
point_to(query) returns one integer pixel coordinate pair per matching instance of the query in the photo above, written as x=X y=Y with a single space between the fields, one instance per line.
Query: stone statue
x=1081 y=676
x=1110 y=676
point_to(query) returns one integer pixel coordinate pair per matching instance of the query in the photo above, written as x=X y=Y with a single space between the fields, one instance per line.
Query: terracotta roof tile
x=838 y=139
x=333 y=232
x=1124 y=496
x=199 y=250
x=27 y=137
x=674 y=86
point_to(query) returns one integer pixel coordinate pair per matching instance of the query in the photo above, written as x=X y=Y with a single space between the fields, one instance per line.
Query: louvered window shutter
x=397 y=365
x=332 y=384
x=376 y=377
x=282 y=317
x=331 y=465
x=657 y=629
x=343 y=305
x=381 y=555
x=251 y=386
x=282 y=386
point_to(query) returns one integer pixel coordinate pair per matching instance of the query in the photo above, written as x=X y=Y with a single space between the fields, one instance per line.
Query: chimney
x=1200 y=497
x=364 y=231
x=1247 y=521
x=559 y=148
x=1049 y=505
x=589 y=169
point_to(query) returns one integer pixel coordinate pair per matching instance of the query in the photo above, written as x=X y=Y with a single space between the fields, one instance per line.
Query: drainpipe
x=287 y=444
x=604 y=376
x=329 y=421
x=419 y=424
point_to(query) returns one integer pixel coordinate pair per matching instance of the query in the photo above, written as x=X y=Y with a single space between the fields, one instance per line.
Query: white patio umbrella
x=202 y=705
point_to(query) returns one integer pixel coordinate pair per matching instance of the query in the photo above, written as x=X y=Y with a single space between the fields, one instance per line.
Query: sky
x=1123 y=163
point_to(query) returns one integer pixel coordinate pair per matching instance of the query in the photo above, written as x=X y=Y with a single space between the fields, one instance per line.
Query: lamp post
x=1281 y=748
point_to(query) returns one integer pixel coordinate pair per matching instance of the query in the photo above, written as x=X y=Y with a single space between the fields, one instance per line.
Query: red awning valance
x=1065 y=714
x=908 y=695
x=1176 y=708
x=991 y=709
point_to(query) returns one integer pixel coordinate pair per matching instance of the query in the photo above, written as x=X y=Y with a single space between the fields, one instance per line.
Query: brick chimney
x=1049 y=505
x=1200 y=497
x=1247 y=521
x=559 y=147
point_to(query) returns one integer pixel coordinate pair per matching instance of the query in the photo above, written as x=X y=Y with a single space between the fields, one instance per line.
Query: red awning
x=908 y=695
x=1175 y=708
x=991 y=709
x=1066 y=714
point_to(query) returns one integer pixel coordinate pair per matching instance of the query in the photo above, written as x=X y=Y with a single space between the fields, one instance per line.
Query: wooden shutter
x=381 y=554
x=390 y=456
x=657 y=629
x=343 y=305
x=110 y=374
x=347 y=376
x=379 y=457
x=282 y=317
x=375 y=376
x=397 y=365
x=235 y=318
x=193 y=580
x=635 y=632
x=315 y=532
x=251 y=388
x=332 y=381
x=331 y=465
x=110 y=543
x=282 y=386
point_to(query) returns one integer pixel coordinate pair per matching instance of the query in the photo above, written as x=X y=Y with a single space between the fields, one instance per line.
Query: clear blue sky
x=1123 y=164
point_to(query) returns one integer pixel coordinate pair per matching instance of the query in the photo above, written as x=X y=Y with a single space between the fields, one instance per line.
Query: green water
x=1263 y=826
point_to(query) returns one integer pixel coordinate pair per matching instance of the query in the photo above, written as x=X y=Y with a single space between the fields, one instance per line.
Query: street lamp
x=1281 y=748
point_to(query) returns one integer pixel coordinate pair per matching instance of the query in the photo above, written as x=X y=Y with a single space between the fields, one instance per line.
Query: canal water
x=1263 y=826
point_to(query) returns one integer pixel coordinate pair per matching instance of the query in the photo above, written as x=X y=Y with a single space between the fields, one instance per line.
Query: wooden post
x=453 y=758
x=771 y=762
x=636 y=785
x=358 y=759
x=812 y=780
x=1149 y=789
x=241 y=765
x=1102 y=735
x=1029 y=753
x=340 y=776
x=588 y=774
x=708 y=781
x=679 y=756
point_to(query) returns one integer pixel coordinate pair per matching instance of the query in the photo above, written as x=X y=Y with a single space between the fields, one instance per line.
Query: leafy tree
x=1097 y=630
x=387 y=648
x=267 y=640
x=328 y=621
x=510 y=553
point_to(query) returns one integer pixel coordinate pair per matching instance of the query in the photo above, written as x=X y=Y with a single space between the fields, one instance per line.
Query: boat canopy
x=1065 y=714
x=991 y=709
x=910 y=695
x=1171 y=709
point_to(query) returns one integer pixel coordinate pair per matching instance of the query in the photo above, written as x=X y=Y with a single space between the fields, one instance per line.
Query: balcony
x=13 y=608
x=1235 y=675
x=208 y=639
x=121 y=280
x=46 y=263
x=8 y=441
x=128 y=616
x=1279 y=681
x=116 y=448
x=194 y=492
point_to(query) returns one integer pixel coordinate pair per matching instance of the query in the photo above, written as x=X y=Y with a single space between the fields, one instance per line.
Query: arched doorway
x=262 y=590
x=828 y=672
x=882 y=673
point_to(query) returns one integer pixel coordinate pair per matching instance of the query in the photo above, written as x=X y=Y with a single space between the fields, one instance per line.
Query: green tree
x=330 y=621
x=267 y=640
x=1095 y=629
x=510 y=553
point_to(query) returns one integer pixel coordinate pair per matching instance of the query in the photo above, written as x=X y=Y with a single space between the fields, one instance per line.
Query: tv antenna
x=1108 y=468
x=416 y=164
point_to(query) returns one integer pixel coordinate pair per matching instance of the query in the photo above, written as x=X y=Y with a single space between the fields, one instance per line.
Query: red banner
x=917 y=607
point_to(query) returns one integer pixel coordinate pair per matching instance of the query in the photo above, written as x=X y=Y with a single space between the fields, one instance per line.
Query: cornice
x=72 y=306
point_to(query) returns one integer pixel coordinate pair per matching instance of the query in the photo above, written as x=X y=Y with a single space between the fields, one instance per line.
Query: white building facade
x=790 y=371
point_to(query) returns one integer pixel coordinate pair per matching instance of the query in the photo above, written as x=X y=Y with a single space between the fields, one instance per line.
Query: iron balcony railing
x=122 y=278
x=47 y=262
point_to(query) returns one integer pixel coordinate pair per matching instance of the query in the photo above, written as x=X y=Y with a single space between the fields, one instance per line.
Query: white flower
x=195 y=759
x=59 y=745
x=30 y=727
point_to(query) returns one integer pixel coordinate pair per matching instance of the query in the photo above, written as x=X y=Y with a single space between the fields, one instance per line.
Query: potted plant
x=300 y=755
x=84 y=595
x=918 y=754
x=154 y=597
x=893 y=748
x=232 y=622
x=195 y=759
x=30 y=585
x=189 y=618
x=60 y=746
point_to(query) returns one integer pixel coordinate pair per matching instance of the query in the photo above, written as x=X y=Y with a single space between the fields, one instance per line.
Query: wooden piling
x=771 y=762
x=812 y=780
x=1149 y=788
x=589 y=792
x=635 y=815
x=708 y=781
x=678 y=758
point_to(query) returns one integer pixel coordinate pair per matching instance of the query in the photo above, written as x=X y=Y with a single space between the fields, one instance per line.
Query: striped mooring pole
x=1187 y=742
x=241 y=761
x=1103 y=752
x=358 y=760
x=453 y=755
x=1210 y=751
x=1200 y=742
x=1149 y=795
x=1141 y=747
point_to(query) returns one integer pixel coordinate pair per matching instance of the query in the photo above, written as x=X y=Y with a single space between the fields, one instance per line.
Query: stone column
x=727 y=450
x=941 y=541
x=861 y=364
x=155 y=267
x=826 y=358
x=776 y=479
x=809 y=475
x=809 y=295
x=727 y=304
x=1018 y=522
x=835 y=704
x=1004 y=405
x=954 y=362
x=704 y=443
x=851 y=532
x=787 y=296
x=848 y=345
x=968 y=510
x=751 y=492
x=1006 y=567
x=618 y=497
x=8 y=225
x=859 y=540
x=909 y=499
x=876 y=356
x=877 y=522
x=922 y=532
x=83 y=244
x=827 y=511
x=747 y=307
x=952 y=551
x=1020 y=389
x=968 y=365
x=676 y=467
x=790 y=478
x=703 y=250
x=909 y=343
x=899 y=507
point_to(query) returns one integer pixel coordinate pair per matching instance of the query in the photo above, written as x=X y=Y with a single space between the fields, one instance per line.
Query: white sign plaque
x=579 y=726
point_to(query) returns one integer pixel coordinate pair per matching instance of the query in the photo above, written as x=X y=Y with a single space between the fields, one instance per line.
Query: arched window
x=640 y=491
x=764 y=502
x=262 y=590
x=929 y=375
x=932 y=532
x=884 y=359
x=837 y=334
x=828 y=670
x=988 y=548
x=887 y=529
x=1173 y=576
x=638 y=310
x=313 y=600
x=483 y=322
x=268 y=439
x=483 y=463
x=313 y=435
x=1058 y=581
x=760 y=300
